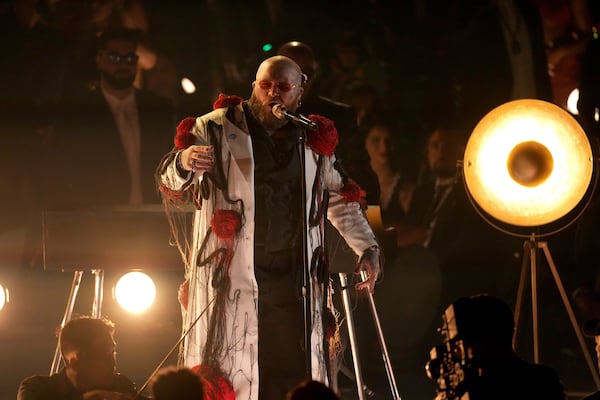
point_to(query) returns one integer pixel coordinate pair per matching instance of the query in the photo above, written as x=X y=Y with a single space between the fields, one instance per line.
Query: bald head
x=279 y=66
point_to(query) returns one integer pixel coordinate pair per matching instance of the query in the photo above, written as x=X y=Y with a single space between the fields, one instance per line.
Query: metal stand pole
x=352 y=336
x=384 y=352
x=66 y=317
x=98 y=292
x=532 y=247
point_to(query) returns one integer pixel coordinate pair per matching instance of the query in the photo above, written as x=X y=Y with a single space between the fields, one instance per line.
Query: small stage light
x=135 y=292
x=188 y=86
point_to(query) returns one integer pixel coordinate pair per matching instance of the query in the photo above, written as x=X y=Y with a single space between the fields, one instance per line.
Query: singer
x=244 y=264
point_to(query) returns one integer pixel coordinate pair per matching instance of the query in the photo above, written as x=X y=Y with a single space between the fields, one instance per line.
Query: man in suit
x=110 y=139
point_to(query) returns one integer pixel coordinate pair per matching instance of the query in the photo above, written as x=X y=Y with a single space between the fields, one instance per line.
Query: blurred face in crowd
x=117 y=64
x=90 y=357
x=97 y=365
x=444 y=149
x=278 y=80
x=379 y=144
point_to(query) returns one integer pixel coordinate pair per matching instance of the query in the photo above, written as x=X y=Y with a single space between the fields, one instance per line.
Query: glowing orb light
x=135 y=292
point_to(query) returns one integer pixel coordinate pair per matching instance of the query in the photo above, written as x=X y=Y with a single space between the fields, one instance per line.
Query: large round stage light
x=4 y=298
x=135 y=292
x=528 y=163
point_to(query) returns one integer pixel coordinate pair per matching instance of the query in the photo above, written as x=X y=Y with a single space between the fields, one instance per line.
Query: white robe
x=238 y=355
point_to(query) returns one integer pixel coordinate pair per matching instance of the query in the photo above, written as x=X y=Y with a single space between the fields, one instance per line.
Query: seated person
x=591 y=328
x=311 y=389
x=179 y=383
x=87 y=348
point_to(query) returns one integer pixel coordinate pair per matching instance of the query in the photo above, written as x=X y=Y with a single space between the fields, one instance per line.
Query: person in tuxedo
x=109 y=139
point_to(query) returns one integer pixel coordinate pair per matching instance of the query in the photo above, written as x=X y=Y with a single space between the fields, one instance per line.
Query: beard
x=263 y=115
x=120 y=79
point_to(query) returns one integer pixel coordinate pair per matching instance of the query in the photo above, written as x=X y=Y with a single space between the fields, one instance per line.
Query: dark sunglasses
x=116 y=58
x=282 y=87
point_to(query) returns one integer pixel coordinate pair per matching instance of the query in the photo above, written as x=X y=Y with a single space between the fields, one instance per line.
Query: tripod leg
x=66 y=318
x=521 y=289
x=570 y=312
x=352 y=336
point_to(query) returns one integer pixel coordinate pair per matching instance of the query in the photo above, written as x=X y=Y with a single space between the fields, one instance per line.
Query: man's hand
x=369 y=268
x=197 y=158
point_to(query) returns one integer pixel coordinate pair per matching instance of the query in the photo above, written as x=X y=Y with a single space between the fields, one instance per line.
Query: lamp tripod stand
x=532 y=246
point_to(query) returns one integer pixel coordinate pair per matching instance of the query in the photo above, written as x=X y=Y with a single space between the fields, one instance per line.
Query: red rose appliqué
x=184 y=137
x=226 y=101
x=352 y=192
x=226 y=223
x=324 y=139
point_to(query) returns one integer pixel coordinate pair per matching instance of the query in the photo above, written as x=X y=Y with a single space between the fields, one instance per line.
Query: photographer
x=477 y=358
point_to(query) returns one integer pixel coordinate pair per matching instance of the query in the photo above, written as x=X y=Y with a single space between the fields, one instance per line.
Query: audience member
x=366 y=101
x=247 y=292
x=567 y=27
x=443 y=219
x=88 y=350
x=351 y=61
x=177 y=383
x=591 y=328
x=313 y=102
x=312 y=390
x=109 y=140
x=477 y=359
x=588 y=104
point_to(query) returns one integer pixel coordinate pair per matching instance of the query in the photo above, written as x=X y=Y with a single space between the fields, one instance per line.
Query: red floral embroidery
x=352 y=192
x=226 y=101
x=184 y=137
x=324 y=139
x=226 y=223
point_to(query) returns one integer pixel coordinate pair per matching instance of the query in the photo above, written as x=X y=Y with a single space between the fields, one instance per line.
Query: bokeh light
x=135 y=292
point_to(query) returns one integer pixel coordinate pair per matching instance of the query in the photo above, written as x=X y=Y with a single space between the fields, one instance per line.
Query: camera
x=450 y=364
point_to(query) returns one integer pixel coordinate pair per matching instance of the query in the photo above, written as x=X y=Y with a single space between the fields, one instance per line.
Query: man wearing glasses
x=244 y=310
x=109 y=138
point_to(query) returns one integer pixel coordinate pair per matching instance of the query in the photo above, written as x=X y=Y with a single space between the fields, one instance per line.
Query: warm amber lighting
x=528 y=163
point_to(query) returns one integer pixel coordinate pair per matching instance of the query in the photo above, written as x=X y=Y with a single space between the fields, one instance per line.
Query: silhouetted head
x=484 y=321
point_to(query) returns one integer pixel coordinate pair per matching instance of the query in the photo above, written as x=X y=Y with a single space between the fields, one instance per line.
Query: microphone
x=280 y=111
